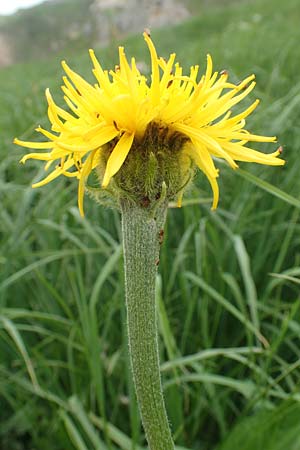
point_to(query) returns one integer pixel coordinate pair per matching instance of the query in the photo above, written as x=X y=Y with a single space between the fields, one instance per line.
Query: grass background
x=228 y=289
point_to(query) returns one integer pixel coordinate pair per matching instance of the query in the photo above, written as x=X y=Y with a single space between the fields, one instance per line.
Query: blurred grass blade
x=244 y=263
x=246 y=388
x=86 y=423
x=117 y=436
x=73 y=432
x=16 y=337
x=227 y=305
x=16 y=313
x=285 y=277
x=179 y=257
x=107 y=269
x=275 y=429
x=268 y=187
x=207 y=354
x=164 y=324
x=36 y=265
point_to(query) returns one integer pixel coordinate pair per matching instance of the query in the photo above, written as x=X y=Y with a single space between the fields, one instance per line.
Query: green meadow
x=228 y=288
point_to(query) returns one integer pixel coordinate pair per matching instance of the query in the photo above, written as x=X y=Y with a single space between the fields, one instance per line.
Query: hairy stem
x=141 y=241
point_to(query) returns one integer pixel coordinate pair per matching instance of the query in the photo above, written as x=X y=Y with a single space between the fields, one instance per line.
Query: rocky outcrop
x=115 y=18
x=6 y=57
x=37 y=32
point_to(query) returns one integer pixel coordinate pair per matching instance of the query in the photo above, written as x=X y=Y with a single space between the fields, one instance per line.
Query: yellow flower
x=120 y=107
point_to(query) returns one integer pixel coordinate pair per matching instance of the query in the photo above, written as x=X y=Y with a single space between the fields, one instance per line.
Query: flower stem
x=141 y=241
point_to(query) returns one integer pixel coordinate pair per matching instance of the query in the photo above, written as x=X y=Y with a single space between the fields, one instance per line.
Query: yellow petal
x=179 y=199
x=242 y=153
x=40 y=156
x=56 y=172
x=237 y=118
x=201 y=137
x=100 y=74
x=46 y=133
x=33 y=144
x=208 y=69
x=101 y=134
x=86 y=169
x=201 y=162
x=154 y=69
x=203 y=159
x=215 y=188
x=251 y=137
x=117 y=157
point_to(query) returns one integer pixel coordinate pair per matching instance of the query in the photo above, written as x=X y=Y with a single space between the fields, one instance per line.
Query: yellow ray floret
x=117 y=110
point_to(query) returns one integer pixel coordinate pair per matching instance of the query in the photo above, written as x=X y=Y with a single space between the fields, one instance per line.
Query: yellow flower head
x=113 y=117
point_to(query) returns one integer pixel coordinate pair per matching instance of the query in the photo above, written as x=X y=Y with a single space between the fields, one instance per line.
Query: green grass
x=228 y=291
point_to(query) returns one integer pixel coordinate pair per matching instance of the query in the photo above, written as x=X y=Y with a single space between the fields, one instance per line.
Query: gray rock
x=116 y=18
